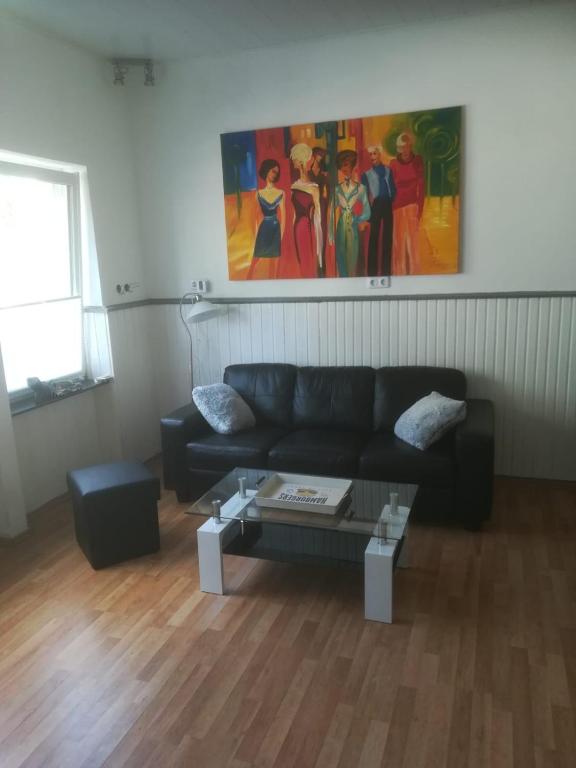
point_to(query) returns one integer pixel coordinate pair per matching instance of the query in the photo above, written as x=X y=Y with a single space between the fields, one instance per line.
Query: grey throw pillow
x=428 y=419
x=223 y=408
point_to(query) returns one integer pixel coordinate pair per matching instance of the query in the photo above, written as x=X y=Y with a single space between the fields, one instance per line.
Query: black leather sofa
x=339 y=421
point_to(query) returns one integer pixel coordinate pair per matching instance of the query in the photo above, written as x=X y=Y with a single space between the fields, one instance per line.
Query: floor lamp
x=200 y=310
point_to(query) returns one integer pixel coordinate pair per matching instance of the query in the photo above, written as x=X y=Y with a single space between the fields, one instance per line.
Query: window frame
x=71 y=180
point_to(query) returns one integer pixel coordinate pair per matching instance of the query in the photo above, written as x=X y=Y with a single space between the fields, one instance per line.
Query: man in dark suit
x=379 y=183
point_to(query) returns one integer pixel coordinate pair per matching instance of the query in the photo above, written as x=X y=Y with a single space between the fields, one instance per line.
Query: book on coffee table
x=303 y=493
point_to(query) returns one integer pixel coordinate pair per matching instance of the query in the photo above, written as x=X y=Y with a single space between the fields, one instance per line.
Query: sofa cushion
x=319 y=452
x=223 y=408
x=268 y=388
x=396 y=389
x=429 y=419
x=337 y=398
x=224 y=452
x=386 y=457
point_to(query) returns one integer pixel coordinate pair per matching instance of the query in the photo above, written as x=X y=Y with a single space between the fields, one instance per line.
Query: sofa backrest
x=357 y=398
x=396 y=389
x=268 y=388
x=341 y=398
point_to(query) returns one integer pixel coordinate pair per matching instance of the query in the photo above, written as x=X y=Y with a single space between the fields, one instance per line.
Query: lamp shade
x=202 y=310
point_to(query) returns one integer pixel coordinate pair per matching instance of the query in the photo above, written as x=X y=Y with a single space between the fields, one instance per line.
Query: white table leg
x=378 y=573
x=210 y=537
x=210 y=560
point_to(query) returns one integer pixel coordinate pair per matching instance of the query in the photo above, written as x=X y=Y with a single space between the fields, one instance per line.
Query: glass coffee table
x=363 y=531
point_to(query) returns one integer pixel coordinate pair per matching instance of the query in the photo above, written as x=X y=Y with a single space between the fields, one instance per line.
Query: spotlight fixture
x=149 y=78
x=120 y=72
x=121 y=67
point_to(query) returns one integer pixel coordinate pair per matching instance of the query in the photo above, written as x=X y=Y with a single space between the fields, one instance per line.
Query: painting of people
x=363 y=197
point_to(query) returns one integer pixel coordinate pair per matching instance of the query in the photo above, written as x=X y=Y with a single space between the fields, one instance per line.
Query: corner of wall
x=13 y=519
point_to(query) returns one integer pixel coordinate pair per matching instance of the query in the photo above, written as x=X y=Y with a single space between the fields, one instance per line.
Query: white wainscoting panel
x=51 y=440
x=171 y=358
x=518 y=352
x=135 y=363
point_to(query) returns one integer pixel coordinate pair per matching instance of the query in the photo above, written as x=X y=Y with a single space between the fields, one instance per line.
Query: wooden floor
x=133 y=666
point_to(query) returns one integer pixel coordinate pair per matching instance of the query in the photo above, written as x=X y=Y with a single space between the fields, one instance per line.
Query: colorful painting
x=371 y=196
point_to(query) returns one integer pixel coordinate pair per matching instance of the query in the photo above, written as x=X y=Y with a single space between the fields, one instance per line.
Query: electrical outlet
x=124 y=288
x=379 y=282
x=199 y=286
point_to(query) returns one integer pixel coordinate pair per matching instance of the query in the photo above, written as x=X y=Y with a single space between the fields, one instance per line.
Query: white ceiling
x=169 y=29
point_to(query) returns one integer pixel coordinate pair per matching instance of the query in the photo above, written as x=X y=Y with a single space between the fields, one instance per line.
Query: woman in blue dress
x=270 y=230
x=350 y=208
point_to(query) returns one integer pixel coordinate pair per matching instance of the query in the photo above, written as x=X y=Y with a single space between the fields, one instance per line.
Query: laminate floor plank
x=134 y=667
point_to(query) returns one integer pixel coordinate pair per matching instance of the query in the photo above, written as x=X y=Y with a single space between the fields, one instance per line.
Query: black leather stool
x=115 y=511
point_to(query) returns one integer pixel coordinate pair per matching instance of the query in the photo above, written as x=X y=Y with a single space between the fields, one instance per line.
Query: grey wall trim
x=95 y=310
x=322 y=299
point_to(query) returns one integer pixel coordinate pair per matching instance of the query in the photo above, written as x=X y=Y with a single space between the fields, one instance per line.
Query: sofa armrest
x=177 y=429
x=474 y=450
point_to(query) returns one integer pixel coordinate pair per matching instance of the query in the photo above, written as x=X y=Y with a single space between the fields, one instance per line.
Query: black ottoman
x=115 y=511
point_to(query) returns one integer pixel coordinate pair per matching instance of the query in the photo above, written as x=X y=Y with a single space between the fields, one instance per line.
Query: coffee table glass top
x=364 y=512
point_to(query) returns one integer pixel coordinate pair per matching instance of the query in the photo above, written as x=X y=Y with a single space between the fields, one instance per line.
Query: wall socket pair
x=378 y=282
x=124 y=288
x=199 y=286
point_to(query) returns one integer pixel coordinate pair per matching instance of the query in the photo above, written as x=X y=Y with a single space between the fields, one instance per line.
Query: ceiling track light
x=149 y=78
x=121 y=67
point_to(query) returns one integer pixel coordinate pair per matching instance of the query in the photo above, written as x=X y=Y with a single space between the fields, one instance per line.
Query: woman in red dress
x=307 y=213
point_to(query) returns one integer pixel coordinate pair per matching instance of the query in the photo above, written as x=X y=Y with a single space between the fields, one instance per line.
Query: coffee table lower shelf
x=298 y=544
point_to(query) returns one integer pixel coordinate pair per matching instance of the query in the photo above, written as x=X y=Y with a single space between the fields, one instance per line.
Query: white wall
x=74 y=432
x=58 y=102
x=12 y=505
x=513 y=72
x=135 y=370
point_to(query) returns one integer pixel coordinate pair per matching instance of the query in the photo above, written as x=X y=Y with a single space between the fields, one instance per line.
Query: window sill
x=29 y=404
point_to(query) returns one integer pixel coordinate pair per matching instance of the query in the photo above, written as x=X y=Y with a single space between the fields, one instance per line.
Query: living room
x=478 y=665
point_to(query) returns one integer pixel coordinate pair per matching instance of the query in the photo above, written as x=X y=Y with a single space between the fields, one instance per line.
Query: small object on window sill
x=67 y=386
x=43 y=392
x=26 y=401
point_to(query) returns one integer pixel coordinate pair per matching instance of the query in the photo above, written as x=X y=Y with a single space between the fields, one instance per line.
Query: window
x=40 y=283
